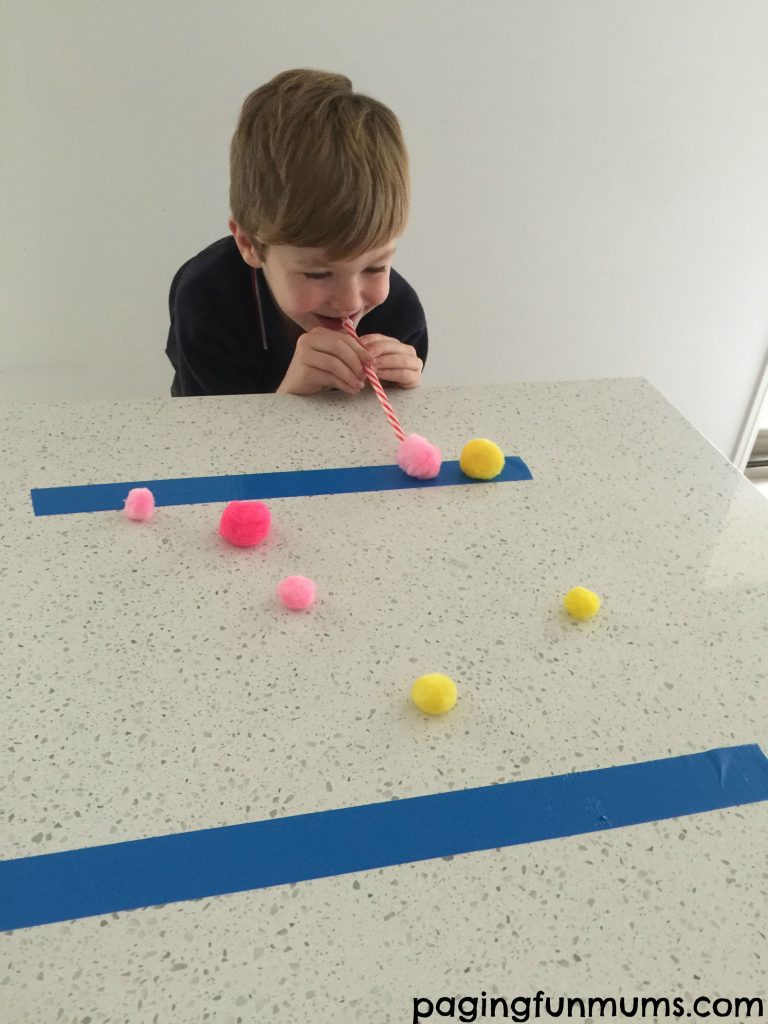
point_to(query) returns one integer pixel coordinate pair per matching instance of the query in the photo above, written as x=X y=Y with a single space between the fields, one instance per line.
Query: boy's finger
x=363 y=356
x=342 y=347
x=348 y=344
x=388 y=346
x=398 y=361
x=403 y=378
x=370 y=339
x=352 y=344
x=357 y=345
x=330 y=366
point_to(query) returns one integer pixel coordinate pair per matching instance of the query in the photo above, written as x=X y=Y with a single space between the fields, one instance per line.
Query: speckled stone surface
x=152 y=683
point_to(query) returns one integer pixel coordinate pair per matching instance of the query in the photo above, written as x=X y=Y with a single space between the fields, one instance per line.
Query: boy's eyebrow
x=385 y=255
x=312 y=261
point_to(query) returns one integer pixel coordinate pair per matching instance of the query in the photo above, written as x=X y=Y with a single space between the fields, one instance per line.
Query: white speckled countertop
x=152 y=684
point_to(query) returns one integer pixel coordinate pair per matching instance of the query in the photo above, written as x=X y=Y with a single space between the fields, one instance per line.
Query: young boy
x=319 y=194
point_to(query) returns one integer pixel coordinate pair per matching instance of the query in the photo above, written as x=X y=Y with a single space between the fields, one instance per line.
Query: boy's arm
x=211 y=350
x=203 y=366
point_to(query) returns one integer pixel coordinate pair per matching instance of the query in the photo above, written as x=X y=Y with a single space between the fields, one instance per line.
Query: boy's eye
x=327 y=273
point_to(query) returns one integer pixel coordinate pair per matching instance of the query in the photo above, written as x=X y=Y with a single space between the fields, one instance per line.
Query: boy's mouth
x=332 y=322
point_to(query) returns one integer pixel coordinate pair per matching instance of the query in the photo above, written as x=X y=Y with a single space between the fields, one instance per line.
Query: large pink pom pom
x=296 y=592
x=418 y=457
x=245 y=523
x=140 y=504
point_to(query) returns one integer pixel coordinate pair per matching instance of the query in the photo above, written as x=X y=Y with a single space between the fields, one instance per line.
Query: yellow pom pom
x=435 y=694
x=581 y=603
x=481 y=459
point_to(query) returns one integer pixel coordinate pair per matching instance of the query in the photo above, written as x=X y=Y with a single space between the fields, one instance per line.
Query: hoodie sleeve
x=213 y=341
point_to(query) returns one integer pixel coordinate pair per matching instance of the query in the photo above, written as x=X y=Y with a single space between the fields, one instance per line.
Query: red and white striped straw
x=389 y=412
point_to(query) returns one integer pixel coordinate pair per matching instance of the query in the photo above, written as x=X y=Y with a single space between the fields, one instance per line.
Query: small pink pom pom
x=296 y=592
x=418 y=457
x=245 y=523
x=140 y=504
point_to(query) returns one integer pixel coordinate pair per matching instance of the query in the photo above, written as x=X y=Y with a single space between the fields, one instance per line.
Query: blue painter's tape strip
x=192 y=865
x=56 y=501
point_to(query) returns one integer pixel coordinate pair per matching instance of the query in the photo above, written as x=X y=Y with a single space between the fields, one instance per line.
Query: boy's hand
x=325 y=359
x=394 y=361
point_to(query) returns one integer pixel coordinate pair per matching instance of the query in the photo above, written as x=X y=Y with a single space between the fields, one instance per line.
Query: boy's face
x=311 y=292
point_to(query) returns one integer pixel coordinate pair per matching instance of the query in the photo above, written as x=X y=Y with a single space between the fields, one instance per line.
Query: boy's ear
x=245 y=245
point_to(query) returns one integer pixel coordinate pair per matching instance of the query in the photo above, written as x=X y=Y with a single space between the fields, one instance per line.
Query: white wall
x=589 y=181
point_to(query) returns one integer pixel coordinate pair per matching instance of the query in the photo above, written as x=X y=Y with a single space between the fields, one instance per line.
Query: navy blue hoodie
x=218 y=343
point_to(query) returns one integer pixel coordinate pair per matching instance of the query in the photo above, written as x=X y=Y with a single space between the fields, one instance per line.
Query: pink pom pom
x=296 y=592
x=418 y=457
x=140 y=504
x=245 y=523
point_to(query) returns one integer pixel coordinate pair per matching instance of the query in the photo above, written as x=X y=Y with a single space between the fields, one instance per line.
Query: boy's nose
x=347 y=302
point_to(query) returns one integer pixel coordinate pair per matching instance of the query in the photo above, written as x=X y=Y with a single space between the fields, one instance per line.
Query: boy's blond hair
x=314 y=164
